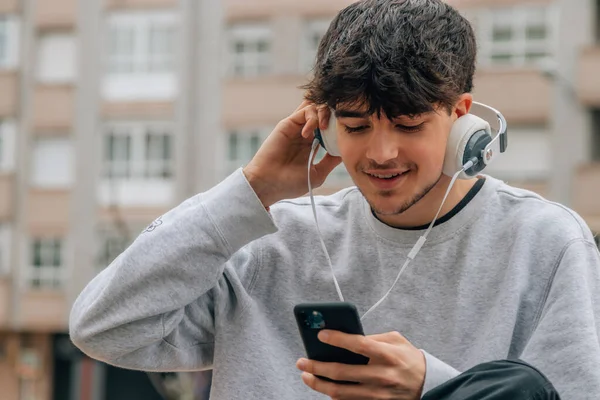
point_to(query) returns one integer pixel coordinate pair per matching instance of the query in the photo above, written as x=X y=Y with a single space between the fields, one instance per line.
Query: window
x=52 y=163
x=313 y=33
x=141 y=56
x=518 y=35
x=528 y=156
x=138 y=164
x=597 y=4
x=121 y=50
x=57 y=58
x=9 y=41
x=595 y=134
x=7 y=145
x=250 y=49
x=112 y=244
x=141 y=43
x=138 y=151
x=5 y=246
x=46 y=264
x=242 y=146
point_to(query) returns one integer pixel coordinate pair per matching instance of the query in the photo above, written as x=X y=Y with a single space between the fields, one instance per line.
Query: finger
x=389 y=337
x=324 y=116
x=312 y=121
x=300 y=121
x=367 y=374
x=341 y=391
x=356 y=343
x=331 y=389
x=302 y=105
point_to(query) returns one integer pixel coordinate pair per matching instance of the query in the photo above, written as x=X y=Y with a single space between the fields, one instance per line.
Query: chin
x=397 y=200
x=388 y=203
x=385 y=202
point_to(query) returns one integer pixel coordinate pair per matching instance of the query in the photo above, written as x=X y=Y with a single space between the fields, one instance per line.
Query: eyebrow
x=350 y=114
x=341 y=113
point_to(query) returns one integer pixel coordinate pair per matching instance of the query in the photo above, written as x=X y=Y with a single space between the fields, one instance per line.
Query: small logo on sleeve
x=158 y=222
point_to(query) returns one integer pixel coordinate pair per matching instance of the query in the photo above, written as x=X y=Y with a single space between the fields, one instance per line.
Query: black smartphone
x=339 y=316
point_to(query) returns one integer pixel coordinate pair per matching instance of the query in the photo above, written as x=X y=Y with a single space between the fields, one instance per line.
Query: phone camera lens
x=315 y=320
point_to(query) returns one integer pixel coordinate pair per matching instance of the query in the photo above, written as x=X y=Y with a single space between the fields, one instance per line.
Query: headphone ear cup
x=328 y=138
x=467 y=134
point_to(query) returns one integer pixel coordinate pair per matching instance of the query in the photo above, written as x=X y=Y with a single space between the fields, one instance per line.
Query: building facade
x=114 y=111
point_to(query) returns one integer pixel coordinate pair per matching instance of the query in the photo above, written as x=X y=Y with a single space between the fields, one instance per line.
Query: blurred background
x=114 y=111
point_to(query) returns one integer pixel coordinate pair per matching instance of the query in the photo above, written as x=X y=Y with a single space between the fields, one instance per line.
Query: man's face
x=394 y=163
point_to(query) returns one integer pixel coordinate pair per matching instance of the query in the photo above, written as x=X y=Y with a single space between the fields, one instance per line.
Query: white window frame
x=7 y=145
x=9 y=41
x=255 y=63
x=138 y=165
x=50 y=273
x=313 y=28
x=519 y=46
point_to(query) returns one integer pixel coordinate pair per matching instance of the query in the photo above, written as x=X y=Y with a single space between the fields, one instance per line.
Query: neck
x=423 y=212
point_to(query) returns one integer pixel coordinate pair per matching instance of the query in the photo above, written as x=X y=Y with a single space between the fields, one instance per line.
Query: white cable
x=413 y=252
x=417 y=247
x=315 y=145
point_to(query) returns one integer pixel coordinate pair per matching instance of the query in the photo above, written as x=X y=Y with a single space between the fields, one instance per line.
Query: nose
x=381 y=147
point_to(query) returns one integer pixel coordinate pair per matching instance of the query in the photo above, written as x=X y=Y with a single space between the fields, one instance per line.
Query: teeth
x=385 y=176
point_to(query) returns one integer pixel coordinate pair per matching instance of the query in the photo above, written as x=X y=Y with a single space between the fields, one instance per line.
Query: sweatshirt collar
x=442 y=232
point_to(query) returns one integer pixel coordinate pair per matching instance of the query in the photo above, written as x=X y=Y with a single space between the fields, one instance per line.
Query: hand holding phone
x=312 y=318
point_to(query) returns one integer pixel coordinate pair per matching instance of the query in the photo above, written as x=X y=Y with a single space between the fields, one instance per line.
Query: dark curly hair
x=399 y=57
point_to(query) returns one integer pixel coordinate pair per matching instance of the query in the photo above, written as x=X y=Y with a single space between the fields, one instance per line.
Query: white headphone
x=471 y=137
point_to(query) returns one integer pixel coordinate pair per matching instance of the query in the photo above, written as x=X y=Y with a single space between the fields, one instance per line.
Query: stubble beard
x=404 y=206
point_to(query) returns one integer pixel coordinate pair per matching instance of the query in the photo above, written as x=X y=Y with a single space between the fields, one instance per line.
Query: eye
x=355 y=129
x=411 y=129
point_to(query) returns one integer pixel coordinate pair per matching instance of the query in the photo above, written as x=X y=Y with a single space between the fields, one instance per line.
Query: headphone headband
x=498 y=125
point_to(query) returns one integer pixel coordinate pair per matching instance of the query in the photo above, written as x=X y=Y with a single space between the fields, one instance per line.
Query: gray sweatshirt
x=212 y=284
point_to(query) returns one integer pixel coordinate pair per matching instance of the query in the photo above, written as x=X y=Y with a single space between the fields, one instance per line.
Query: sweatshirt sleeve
x=437 y=372
x=565 y=345
x=154 y=307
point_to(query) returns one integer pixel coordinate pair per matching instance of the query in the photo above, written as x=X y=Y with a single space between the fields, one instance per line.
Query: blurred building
x=114 y=111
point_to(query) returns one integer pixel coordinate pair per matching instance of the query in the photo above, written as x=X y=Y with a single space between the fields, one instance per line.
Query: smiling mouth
x=387 y=181
x=389 y=176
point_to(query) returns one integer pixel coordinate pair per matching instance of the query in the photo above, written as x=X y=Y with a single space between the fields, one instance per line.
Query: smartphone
x=312 y=318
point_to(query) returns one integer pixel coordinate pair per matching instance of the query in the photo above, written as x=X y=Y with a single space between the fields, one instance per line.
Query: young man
x=502 y=302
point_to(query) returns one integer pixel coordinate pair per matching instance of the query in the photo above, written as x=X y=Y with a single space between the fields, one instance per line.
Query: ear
x=462 y=106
